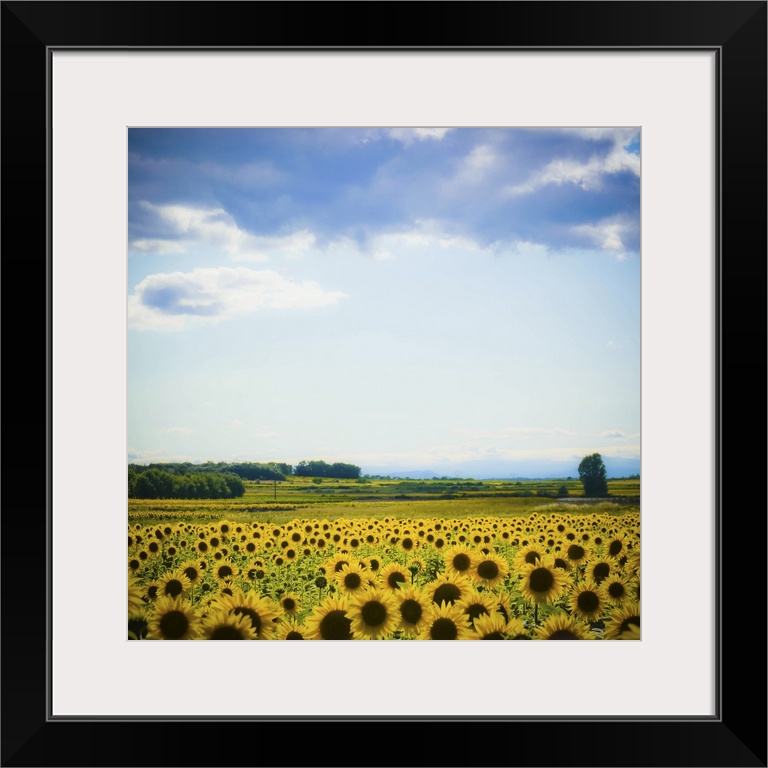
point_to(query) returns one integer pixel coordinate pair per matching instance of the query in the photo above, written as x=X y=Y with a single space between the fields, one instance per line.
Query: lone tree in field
x=593 y=476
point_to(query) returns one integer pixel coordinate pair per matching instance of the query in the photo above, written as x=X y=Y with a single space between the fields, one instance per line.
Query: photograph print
x=384 y=383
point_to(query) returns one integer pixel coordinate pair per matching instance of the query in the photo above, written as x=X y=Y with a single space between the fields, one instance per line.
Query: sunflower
x=408 y=544
x=616 y=546
x=225 y=571
x=448 y=587
x=576 y=553
x=135 y=603
x=446 y=622
x=202 y=547
x=154 y=548
x=598 y=570
x=476 y=604
x=543 y=582
x=490 y=570
x=503 y=604
x=615 y=589
x=493 y=626
x=351 y=578
x=290 y=629
x=335 y=563
x=374 y=614
x=413 y=608
x=416 y=565
x=226 y=625
x=151 y=590
x=460 y=559
x=191 y=569
x=586 y=601
x=134 y=564
x=329 y=620
x=173 y=619
x=255 y=572
x=528 y=555
x=632 y=632
x=624 y=620
x=393 y=575
x=260 y=610
x=561 y=626
x=174 y=584
x=290 y=602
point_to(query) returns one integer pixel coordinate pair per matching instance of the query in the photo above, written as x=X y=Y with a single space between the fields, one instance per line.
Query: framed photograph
x=615 y=150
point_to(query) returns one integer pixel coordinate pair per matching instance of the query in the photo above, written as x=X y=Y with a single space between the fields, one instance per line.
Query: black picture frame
x=736 y=736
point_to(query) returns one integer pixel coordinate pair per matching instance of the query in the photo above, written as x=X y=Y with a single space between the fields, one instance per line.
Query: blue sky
x=396 y=298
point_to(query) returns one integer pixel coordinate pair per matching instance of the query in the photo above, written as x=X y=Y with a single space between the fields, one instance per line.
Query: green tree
x=593 y=475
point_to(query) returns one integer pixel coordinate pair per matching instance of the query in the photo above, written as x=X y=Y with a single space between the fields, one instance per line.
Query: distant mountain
x=511 y=470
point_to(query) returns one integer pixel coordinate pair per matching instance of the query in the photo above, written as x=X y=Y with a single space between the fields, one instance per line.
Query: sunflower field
x=548 y=576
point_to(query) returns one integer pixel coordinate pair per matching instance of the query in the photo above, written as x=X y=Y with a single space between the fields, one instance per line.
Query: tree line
x=154 y=483
x=220 y=480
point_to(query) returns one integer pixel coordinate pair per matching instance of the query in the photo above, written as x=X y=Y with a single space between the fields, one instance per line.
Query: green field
x=282 y=501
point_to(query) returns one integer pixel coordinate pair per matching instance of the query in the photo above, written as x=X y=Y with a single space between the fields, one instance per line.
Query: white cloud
x=476 y=165
x=293 y=246
x=160 y=247
x=428 y=236
x=608 y=234
x=587 y=175
x=408 y=135
x=178 y=431
x=174 y=301
x=190 y=228
x=614 y=433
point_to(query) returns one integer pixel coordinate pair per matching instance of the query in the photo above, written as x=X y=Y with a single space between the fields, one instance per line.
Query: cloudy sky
x=396 y=298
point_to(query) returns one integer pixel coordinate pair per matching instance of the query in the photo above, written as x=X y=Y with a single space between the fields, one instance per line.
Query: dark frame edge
x=26 y=732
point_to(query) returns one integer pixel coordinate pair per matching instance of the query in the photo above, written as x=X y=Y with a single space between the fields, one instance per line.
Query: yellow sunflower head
x=561 y=626
x=261 y=611
x=615 y=589
x=448 y=587
x=616 y=546
x=135 y=603
x=224 y=571
x=447 y=622
x=329 y=620
x=527 y=555
x=586 y=601
x=490 y=570
x=413 y=609
x=290 y=602
x=476 y=604
x=624 y=620
x=374 y=614
x=174 y=584
x=351 y=578
x=460 y=559
x=494 y=626
x=173 y=619
x=290 y=629
x=576 y=552
x=227 y=625
x=394 y=576
x=598 y=570
x=192 y=570
x=543 y=582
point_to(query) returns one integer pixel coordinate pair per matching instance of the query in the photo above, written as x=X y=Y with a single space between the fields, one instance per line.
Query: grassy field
x=332 y=499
